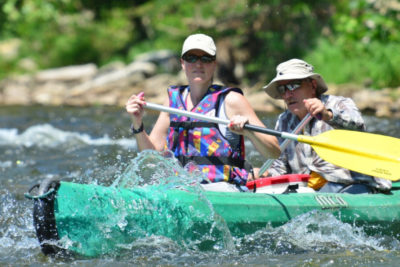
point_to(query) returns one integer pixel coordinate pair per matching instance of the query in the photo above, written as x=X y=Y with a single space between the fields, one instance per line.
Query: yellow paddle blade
x=367 y=153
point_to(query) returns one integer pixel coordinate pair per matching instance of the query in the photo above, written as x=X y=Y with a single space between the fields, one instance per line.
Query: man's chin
x=294 y=110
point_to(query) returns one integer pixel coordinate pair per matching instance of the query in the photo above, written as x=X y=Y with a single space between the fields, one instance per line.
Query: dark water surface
x=93 y=145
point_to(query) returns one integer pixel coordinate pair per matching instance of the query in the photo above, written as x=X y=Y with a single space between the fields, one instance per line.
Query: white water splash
x=6 y=164
x=316 y=232
x=157 y=168
x=45 y=135
x=319 y=230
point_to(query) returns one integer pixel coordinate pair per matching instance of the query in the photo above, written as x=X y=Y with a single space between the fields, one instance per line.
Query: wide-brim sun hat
x=199 y=41
x=294 y=69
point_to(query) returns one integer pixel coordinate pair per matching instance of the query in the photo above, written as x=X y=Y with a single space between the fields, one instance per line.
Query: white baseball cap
x=291 y=70
x=199 y=41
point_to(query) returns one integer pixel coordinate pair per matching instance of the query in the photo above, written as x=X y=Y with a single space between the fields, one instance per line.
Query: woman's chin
x=198 y=79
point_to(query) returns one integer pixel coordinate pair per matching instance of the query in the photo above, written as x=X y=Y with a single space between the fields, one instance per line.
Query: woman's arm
x=157 y=138
x=239 y=111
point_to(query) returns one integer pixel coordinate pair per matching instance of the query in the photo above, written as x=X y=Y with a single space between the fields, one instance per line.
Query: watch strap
x=136 y=131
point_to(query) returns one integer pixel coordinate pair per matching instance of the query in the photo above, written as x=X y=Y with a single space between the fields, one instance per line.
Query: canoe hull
x=93 y=220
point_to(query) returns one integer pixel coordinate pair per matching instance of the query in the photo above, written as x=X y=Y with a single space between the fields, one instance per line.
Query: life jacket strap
x=242 y=164
x=187 y=125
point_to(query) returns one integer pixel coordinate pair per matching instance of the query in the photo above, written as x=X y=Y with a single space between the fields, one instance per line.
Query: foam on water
x=47 y=136
x=315 y=231
x=16 y=227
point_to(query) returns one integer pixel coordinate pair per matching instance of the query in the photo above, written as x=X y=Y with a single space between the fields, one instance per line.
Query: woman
x=218 y=150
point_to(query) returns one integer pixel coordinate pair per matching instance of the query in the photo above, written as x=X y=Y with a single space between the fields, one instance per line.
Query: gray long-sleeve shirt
x=301 y=158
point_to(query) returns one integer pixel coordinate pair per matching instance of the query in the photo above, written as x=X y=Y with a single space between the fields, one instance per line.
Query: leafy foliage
x=346 y=40
x=363 y=44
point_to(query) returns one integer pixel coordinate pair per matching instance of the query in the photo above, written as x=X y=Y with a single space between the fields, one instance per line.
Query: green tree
x=346 y=40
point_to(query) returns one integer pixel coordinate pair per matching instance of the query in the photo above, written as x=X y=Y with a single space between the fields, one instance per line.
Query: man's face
x=293 y=92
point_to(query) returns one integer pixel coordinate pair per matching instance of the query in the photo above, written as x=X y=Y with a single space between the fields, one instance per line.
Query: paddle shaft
x=218 y=120
x=285 y=143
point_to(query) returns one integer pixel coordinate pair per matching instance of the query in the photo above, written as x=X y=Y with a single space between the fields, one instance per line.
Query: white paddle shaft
x=285 y=143
x=185 y=113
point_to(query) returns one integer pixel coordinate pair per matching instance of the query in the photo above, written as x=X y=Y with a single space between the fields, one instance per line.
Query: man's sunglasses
x=193 y=58
x=293 y=85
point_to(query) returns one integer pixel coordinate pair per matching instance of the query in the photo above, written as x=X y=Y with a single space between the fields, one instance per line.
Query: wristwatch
x=136 y=131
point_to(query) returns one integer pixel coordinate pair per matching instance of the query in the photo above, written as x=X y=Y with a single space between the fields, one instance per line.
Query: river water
x=93 y=146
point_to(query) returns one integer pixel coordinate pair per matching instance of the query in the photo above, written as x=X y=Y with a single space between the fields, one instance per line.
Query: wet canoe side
x=376 y=211
x=97 y=220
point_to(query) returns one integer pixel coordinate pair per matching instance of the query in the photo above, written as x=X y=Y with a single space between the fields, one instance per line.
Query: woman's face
x=198 y=72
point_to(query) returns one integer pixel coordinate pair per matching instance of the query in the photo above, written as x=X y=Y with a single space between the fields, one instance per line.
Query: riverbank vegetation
x=349 y=41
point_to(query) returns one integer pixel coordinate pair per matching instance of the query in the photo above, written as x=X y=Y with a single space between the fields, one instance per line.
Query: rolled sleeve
x=345 y=113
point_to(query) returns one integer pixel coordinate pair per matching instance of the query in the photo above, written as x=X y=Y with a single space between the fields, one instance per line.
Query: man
x=303 y=92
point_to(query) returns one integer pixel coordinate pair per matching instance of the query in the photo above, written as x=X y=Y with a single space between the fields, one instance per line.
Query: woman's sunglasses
x=293 y=85
x=193 y=58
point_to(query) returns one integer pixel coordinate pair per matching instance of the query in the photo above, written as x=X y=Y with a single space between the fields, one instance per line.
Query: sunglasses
x=194 y=58
x=293 y=85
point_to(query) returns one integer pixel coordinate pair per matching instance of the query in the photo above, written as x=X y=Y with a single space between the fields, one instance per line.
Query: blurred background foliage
x=348 y=41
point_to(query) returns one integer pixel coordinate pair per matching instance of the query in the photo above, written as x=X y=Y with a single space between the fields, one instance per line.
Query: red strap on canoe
x=281 y=179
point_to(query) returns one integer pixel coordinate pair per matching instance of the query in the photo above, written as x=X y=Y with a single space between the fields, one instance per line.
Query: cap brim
x=208 y=51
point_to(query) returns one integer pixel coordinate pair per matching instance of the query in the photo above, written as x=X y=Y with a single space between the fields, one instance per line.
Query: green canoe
x=93 y=220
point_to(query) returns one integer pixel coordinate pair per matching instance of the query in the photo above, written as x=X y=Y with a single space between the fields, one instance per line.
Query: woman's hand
x=134 y=106
x=237 y=123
